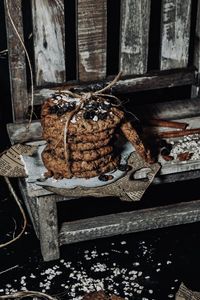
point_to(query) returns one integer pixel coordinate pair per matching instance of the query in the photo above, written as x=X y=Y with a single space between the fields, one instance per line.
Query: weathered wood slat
x=34 y=190
x=128 y=222
x=152 y=82
x=91 y=39
x=134 y=36
x=175 y=33
x=17 y=63
x=180 y=109
x=20 y=133
x=31 y=205
x=133 y=84
x=177 y=177
x=49 y=41
x=48 y=227
x=197 y=40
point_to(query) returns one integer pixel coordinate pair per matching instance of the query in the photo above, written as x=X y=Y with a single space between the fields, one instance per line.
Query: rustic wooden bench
x=157 y=46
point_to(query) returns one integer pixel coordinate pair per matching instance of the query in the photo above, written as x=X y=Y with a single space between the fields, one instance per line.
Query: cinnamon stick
x=165 y=123
x=178 y=133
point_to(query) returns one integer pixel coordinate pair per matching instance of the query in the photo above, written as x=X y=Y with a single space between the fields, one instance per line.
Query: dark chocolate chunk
x=165 y=151
x=57 y=96
x=53 y=109
x=41 y=179
x=92 y=105
x=102 y=116
x=60 y=111
x=162 y=143
x=104 y=177
x=105 y=106
x=124 y=167
x=169 y=146
x=89 y=115
x=69 y=106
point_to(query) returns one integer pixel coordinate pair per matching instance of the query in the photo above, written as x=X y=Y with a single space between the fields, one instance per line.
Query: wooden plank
x=134 y=36
x=127 y=85
x=49 y=41
x=16 y=56
x=128 y=222
x=175 y=33
x=20 y=133
x=34 y=190
x=179 y=109
x=48 y=227
x=151 y=82
x=31 y=205
x=197 y=41
x=91 y=39
x=177 y=177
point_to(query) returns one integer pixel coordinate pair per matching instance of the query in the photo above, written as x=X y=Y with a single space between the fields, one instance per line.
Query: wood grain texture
x=48 y=227
x=128 y=222
x=19 y=133
x=34 y=190
x=133 y=84
x=197 y=40
x=174 y=110
x=31 y=205
x=91 y=39
x=154 y=81
x=49 y=41
x=175 y=33
x=177 y=177
x=16 y=58
x=134 y=36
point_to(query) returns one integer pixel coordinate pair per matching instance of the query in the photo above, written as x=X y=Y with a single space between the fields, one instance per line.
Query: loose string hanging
x=21 y=210
x=28 y=60
x=25 y=294
x=109 y=85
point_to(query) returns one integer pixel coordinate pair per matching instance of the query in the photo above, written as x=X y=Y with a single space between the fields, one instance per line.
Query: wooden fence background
x=87 y=40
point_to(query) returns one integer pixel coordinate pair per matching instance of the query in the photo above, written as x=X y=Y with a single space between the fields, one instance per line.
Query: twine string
x=83 y=98
x=21 y=210
x=25 y=294
x=66 y=147
x=89 y=95
x=110 y=85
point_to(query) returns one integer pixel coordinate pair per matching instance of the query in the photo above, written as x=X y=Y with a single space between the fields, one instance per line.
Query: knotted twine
x=83 y=96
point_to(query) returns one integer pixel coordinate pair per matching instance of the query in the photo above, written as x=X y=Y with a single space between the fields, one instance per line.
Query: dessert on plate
x=81 y=131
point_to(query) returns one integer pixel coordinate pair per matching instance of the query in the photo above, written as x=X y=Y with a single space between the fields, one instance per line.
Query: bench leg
x=48 y=227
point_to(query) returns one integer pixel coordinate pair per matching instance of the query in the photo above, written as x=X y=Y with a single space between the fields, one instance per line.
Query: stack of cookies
x=80 y=134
